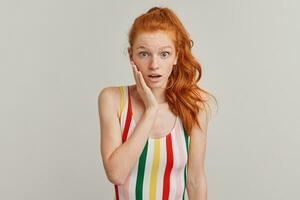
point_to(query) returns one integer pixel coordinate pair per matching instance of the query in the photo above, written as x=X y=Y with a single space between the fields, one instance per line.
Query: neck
x=159 y=94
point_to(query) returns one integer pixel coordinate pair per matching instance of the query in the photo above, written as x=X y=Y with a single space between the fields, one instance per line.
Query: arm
x=196 y=178
x=118 y=159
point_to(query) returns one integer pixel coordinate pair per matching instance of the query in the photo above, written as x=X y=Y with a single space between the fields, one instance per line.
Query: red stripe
x=166 y=187
x=125 y=133
x=117 y=193
x=128 y=119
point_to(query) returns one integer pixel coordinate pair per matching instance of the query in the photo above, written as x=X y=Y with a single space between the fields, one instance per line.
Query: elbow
x=115 y=180
x=115 y=173
x=196 y=182
x=114 y=177
x=191 y=186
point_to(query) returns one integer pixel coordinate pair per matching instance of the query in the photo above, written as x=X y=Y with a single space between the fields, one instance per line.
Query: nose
x=154 y=63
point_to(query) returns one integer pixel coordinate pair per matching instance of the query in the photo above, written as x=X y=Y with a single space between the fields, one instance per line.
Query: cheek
x=136 y=62
x=140 y=66
x=141 y=63
x=170 y=68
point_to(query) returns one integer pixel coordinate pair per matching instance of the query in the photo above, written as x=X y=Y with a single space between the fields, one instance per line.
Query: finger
x=142 y=81
x=136 y=72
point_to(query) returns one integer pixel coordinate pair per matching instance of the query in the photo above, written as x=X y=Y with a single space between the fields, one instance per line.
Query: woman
x=153 y=133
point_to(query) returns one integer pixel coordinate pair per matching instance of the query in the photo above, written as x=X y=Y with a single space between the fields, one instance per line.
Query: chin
x=156 y=85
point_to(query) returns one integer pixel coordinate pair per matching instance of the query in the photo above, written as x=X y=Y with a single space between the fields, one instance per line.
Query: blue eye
x=165 y=53
x=142 y=53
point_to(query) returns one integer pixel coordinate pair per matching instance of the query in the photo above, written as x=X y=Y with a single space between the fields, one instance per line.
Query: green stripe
x=140 y=174
x=184 y=183
x=186 y=137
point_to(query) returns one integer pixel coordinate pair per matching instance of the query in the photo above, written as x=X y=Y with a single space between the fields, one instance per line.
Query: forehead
x=155 y=40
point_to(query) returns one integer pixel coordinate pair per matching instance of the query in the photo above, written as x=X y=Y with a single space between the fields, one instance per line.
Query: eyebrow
x=142 y=47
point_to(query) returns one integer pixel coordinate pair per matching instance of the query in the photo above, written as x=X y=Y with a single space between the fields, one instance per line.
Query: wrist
x=151 y=110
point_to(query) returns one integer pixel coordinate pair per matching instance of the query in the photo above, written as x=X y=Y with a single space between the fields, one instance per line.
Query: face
x=154 y=54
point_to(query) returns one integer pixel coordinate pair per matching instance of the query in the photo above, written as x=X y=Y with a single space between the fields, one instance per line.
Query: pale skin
x=151 y=53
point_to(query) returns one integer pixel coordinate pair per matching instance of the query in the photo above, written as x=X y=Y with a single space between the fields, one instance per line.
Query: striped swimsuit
x=160 y=172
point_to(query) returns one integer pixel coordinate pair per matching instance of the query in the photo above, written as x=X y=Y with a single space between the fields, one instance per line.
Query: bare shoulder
x=109 y=96
x=203 y=115
x=204 y=109
x=109 y=92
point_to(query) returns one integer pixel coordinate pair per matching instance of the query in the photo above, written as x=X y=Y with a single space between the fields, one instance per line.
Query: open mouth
x=154 y=76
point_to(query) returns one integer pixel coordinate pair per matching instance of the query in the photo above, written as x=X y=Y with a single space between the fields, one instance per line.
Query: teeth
x=154 y=75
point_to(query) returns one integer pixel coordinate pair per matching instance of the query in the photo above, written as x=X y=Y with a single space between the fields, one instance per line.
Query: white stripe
x=148 y=167
x=133 y=178
x=183 y=157
x=174 y=170
x=183 y=142
x=121 y=194
x=185 y=154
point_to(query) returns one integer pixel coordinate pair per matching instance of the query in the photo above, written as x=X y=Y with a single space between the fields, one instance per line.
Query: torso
x=161 y=170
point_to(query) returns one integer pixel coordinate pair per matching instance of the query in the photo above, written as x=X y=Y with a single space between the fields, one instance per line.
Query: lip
x=154 y=79
x=154 y=75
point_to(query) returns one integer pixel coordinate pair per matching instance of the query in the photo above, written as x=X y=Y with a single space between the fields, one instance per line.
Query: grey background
x=56 y=56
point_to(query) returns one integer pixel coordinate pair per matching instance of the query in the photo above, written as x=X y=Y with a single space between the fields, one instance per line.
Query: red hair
x=182 y=93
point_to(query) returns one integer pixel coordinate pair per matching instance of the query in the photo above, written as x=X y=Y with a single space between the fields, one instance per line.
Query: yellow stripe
x=121 y=102
x=154 y=170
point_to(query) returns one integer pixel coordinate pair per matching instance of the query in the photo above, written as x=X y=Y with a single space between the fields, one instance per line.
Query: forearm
x=197 y=191
x=123 y=159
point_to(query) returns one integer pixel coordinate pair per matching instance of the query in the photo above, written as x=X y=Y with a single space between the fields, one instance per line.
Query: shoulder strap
x=121 y=89
x=125 y=113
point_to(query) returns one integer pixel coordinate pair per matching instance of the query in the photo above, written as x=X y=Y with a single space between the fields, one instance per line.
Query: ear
x=176 y=58
x=129 y=53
